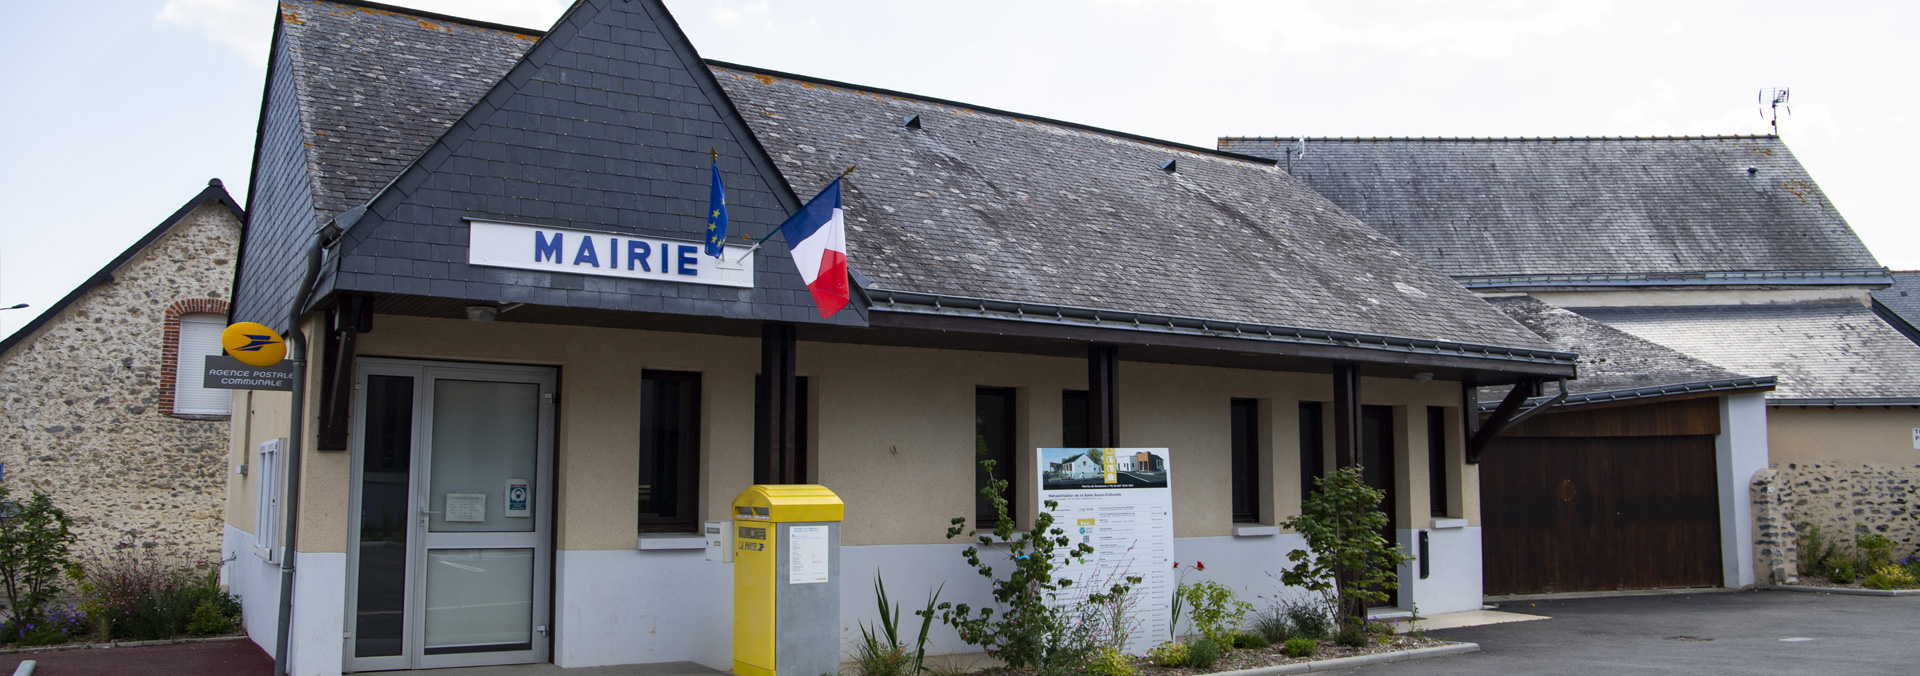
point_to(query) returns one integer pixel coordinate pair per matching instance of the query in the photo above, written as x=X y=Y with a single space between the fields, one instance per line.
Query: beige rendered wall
x=1870 y=435
x=892 y=427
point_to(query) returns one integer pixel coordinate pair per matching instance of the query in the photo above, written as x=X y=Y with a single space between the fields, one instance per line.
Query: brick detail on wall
x=170 y=343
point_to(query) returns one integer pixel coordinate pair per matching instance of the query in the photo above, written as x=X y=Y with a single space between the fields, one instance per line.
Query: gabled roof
x=1537 y=212
x=214 y=191
x=377 y=84
x=1900 y=303
x=992 y=206
x=1610 y=359
x=1823 y=353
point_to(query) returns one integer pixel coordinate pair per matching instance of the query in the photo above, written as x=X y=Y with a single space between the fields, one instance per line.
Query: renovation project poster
x=1120 y=501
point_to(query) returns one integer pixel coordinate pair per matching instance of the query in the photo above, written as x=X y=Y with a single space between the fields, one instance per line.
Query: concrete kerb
x=1359 y=661
x=1846 y=590
x=116 y=644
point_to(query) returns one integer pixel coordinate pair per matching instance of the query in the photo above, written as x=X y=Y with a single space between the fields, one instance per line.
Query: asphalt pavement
x=1752 y=632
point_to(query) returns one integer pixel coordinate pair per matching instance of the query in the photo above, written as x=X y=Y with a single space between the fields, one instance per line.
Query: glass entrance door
x=453 y=481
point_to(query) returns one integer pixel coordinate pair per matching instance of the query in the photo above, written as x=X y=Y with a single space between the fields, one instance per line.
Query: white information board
x=807 y=555
x=466 y=507
x=1120 y=501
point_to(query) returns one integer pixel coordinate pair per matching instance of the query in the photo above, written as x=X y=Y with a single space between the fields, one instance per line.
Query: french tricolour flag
x=817 y=236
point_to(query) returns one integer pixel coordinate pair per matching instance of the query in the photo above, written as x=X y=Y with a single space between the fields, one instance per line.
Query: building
x=1001 y=263
x=101 y=405
x=1720 y=247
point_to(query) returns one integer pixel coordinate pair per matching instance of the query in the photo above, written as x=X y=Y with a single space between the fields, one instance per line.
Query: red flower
x=1199 y=565
x=1176 y=564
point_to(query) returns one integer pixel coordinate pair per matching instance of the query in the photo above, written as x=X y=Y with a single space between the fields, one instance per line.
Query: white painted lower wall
x=255 y=581
x=1453 y=582
x=1740 y=451
x=317 y=643
x=638 y=607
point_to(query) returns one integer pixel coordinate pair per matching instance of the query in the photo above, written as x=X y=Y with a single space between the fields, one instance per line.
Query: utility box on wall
x=786 y=581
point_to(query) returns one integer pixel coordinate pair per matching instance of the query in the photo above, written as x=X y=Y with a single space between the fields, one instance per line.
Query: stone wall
x=1840 y=498
x=80 y=403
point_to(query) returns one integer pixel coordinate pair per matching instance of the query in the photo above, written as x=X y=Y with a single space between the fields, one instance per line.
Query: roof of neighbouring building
x=1610 y=359
x=214 y=192
x=1900 y=303
x=1663 y=209
x=991 y=204
x=975 y=203
x=1819 y=351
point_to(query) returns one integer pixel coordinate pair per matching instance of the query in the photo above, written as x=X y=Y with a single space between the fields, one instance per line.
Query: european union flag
x=716 y=214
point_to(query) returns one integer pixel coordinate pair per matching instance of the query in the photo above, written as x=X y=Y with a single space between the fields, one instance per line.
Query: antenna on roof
x=1774 y=99
x=1295 y=149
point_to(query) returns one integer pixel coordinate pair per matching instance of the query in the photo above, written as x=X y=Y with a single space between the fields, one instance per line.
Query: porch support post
x=1103 y=395
x=1346 y=415
x=774 y=460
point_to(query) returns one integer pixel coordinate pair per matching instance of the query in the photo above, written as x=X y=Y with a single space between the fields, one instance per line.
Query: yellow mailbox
x=786 y=581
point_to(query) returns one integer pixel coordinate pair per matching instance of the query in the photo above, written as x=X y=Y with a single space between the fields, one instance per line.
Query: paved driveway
x=1638 y=635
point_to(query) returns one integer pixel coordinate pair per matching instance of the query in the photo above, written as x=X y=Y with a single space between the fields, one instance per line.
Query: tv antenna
x=1295 y=149
x=1773 y=100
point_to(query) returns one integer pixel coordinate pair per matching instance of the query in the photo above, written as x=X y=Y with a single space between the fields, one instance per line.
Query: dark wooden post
x=1346 y=415
x=774 y=460
x=350 y=316
x=1103 y=396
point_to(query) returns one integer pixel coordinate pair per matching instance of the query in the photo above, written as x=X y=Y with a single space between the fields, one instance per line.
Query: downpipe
x=297 y=349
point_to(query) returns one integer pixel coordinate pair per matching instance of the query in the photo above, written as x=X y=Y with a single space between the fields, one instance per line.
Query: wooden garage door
x=1596 y=513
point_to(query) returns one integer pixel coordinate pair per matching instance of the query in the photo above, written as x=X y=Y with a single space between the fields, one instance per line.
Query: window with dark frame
x=1245 y=448
x=803 y=464
x=1312 y=448
x=1073 y=419
x=1437 y=459
x=669 y=451
x=993 y=428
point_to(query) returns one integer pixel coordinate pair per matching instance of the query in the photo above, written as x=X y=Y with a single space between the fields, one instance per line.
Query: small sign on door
x=517 y=496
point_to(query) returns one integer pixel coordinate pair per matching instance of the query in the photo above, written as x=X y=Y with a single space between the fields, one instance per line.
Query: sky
x=118 y=111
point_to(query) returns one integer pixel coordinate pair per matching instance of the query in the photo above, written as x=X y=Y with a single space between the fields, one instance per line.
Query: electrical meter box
x=719 y=539
x=786 y=581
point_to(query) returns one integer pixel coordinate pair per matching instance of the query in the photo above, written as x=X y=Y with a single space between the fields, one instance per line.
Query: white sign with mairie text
x=583 y=252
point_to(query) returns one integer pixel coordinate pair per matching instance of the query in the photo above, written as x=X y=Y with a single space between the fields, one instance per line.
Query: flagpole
x=763 y=238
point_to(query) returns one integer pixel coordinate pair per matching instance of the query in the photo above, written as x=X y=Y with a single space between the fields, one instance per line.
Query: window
x=266 y=498
x=1073 y=419
x=1312 y=448
x=1437 y=459
x=1245 y=448
x=993 y=440
x=199 y=338
x=803 y=465
x=669 y=450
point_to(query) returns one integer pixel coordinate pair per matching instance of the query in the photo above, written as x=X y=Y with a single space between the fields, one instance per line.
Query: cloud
x=1434 y=29
x=241 y=24
x=726 y=15
x=536 y=14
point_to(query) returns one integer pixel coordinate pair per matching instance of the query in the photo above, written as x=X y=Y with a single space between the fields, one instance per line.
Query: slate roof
x=1900 y=303
x=376 y=86
x=1819 y=351
x=990 y=204
x=1572 y=208
x=1610 y=359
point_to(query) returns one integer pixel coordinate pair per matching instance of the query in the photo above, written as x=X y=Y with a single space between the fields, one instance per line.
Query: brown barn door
x=1565 y=514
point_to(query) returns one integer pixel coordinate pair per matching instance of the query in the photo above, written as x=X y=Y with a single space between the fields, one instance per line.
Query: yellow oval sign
x=253 y=344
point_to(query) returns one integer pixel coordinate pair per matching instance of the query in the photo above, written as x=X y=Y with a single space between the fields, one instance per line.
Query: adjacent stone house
x=100 y=400
x=1721 y=247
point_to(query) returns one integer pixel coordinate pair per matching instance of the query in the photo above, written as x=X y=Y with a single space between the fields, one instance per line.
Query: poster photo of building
x=1085 y=468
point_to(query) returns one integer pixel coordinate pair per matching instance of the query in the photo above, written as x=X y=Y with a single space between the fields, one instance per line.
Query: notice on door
x=468 y=507
x=517 y=494
x=1120 y=502
x=807 y=555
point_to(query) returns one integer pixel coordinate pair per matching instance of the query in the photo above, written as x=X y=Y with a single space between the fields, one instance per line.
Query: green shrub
x=127 y=597
x=1876 y=550
x=1341 y=522
x=1301 y=647
x=1250 y=640
x=207 y=620
x=1308 y=621
x=1216 y=610
x=1203 y=654
x=33 y=552
x=1271 y=624
x=1350 y=636
x=1817 y=555
x=1377 y=628
x=1889 y=576
x=1108 y=661
x=1841 y=572
x=880 y=651
x=1171 y=655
